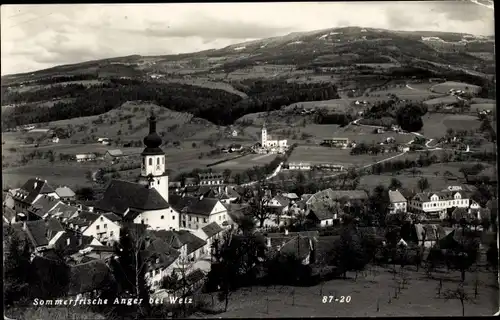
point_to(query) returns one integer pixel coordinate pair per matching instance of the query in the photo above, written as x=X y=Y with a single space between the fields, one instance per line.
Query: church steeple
x=154 y=168
x=152 y=141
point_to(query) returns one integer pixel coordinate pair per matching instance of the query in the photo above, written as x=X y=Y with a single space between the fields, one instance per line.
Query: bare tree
x=459 y=294
x=259 y=204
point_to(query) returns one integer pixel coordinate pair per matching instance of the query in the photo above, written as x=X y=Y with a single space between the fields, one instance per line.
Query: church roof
x=121 y=195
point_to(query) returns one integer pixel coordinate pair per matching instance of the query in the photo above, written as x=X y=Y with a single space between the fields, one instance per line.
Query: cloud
x=35 y=36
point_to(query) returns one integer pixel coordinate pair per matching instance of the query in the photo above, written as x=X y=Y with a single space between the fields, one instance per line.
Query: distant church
x=147 y=200
x=270 y=145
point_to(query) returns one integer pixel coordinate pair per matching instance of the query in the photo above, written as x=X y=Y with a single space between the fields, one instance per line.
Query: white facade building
x=106 y=228
x=436 y=204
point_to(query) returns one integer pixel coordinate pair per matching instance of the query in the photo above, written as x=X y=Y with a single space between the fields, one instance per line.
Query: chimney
x=286 y=232
x=225 y=189
x=24 y=225
x=268 y=242
x=201 y=197
x=35 y=184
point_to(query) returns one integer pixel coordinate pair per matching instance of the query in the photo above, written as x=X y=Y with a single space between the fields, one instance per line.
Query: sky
x=36 y=37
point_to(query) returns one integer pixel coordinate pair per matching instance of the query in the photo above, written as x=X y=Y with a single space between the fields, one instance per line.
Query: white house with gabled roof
x=106 y=228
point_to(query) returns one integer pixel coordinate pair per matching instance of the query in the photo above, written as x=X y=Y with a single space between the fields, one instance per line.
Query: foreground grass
x=368 y=293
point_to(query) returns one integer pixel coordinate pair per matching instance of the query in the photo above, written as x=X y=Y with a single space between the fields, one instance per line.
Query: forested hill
x=217 y=106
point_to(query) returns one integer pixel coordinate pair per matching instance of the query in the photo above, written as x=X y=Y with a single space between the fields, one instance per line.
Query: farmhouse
x=55 y=140
x=40 y=208
x=162 y=257
x=146 y=201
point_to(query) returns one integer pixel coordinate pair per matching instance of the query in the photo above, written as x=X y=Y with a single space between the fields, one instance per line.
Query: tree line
x=217 y=106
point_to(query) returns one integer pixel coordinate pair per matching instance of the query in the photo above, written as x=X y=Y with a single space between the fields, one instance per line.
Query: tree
x=378 y=204
x=17 y=267
x=349 y=254
x=423 y=184
x=259 y=204
x=85 y=193
x=236 y=259
x=395 y=184
x=226 y=174
x=193 y=144
x=460 y=294
x=130 y=262
x=492 y=255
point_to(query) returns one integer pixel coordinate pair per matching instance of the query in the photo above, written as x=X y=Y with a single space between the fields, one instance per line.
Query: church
x=270 y=145
x=145 y=201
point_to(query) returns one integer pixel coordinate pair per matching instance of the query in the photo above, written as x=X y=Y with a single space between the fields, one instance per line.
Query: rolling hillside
x=222 y=85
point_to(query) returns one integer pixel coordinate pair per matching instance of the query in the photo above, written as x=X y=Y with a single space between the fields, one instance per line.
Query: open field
x=208 y=84
x=365 y=134
x=435 y=125
x=313 y=79
x=245 y=162
x=28 y=88
x=418 y=297
x=441 y=100
x=379 y=65
x=445 y=87
x=483 y=107
x=71 y=174
x=318 y=155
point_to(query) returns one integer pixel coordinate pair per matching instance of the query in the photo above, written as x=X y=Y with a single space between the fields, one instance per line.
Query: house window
x=163 y=160
x=183 y=224
x=173 y=217
x=142 y=221
x=205 y=220
x=197 y=219
x=102 y=219
x=157 y=161
x=111 y=233
x=97 y=227
x=162 y=217
x=189 y=218
x=105 y=226
x=220 y=218
x=150 y=161
x=68 y=241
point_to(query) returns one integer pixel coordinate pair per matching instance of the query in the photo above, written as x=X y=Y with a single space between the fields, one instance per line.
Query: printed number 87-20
x=341 y=299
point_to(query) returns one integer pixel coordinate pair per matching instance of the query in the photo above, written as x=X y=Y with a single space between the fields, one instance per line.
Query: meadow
x=371 y=294
x=441 y=100
x=366 y=134
x=245 y=162
x=318 y=155
x=436 y=124
x=445 y=87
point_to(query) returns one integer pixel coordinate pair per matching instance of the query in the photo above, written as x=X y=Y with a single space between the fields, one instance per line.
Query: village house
x=88 y=280
x=299 y=244
x=210 y=178
x=82 y=157
x=65 y=193
x=112 y=155
x=63 y=212
x=299 y=166
x=209 y=233
x=160 y=257
x=55 y=140
x=427 y=235
x=190 y=247
x=196 y=212
x=323 y=216
x=106 y=228
x=81 y=221
x=236 y=147
x=41 y=207
x=69 y=242
x=398 y=202
x=234 y=133
x=336 y=142
x=31 y=191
